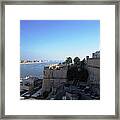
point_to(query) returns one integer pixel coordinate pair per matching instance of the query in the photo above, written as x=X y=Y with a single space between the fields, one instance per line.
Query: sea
x=34 y=69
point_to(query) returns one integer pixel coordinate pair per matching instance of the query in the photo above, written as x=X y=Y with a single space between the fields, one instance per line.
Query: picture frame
x=2 y=67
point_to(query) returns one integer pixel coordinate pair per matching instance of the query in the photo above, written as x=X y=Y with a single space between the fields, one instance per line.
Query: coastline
x=31 y=63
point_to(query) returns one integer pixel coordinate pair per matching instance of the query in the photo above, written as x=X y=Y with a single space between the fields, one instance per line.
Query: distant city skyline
x=58 y=39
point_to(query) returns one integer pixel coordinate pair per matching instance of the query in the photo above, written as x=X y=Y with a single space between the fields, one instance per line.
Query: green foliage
x=83 y=64
x=77 y=71
x=76 y=61
x=68 y=60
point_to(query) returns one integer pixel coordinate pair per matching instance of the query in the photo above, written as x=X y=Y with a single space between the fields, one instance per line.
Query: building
x=54 y=76
x=96 y=54
x=93 y=65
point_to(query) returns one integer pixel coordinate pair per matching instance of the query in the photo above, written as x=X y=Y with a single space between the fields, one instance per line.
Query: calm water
x=35 y=69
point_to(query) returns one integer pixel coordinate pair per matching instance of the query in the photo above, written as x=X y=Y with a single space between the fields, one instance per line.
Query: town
x=70 y=80
x=32 y=61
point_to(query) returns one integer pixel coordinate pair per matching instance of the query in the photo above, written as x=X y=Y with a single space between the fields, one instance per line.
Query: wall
x=93 y=65
x=53 y=78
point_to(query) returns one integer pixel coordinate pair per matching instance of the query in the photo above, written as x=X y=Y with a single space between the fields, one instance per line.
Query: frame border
x=55 y=2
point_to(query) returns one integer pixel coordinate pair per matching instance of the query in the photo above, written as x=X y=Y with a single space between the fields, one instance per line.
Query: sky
x=58 y=39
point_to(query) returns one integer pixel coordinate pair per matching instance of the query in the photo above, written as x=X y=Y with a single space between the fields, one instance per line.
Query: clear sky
x=58 y=39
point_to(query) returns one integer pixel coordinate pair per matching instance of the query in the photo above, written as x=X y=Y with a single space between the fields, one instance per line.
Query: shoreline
x=36 y=63
x=32 y=63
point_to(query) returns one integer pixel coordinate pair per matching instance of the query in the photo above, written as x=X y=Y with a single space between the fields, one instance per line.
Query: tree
x=76 y=61
x=83 y=64
x=73 y=74
x=68 y=60
x=78 y=71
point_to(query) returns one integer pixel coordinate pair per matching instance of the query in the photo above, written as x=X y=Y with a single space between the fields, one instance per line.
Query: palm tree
x=68 y=60
x=78 y=71
x=76 y=61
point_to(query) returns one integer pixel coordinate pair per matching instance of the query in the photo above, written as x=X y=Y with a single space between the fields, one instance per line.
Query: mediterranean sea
x=33 y=69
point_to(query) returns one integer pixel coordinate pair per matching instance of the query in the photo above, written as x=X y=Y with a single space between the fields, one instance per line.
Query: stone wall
x=53 y=78
x=93 y=65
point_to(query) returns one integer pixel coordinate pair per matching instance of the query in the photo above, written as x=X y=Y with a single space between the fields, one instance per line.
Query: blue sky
x=58 y=39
